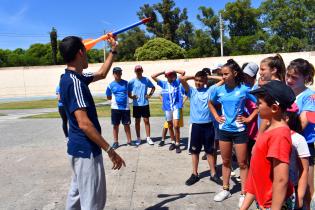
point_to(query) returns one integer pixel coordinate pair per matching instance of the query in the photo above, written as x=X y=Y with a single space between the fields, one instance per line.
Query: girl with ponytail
x=232 y=125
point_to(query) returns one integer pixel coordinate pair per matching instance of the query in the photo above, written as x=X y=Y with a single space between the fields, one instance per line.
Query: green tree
x=53 y=42
x=201 y=45
x=212 y=24
x=242 y=18
x=129 y=42
x=244 y=28
x=42 y=52
x=95 y=56
x=291 y=20
x=159 y=49
x=172 y=18
x=185 y=33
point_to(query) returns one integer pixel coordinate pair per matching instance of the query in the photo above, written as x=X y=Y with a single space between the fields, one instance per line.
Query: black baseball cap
x=117 y=69
x=279 y=91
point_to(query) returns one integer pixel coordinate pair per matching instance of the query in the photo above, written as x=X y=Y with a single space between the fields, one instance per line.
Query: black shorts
x=235 y=137
x=122 y=116
x=201 y=135
x=312 y=152
x=141 y=111
x=216 y=133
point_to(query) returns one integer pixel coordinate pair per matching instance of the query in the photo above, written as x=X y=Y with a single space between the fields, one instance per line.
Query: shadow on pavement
x=159 y=206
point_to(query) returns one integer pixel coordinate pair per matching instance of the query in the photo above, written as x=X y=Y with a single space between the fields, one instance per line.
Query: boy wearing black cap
x=268 y=177
x=117 y=92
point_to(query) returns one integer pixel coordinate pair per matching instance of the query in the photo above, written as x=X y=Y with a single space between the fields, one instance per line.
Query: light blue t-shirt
x=306 y=102
x=139 y=87
x=199 y=110
x=58 y=93
x=119 y=93
x=232 y=104
x=171 y=95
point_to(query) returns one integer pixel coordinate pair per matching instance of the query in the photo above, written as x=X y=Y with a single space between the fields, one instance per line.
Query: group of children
x=269 y=123
x=281 y=107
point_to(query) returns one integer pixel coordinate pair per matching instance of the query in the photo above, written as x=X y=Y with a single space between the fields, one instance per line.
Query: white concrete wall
x=41 y=81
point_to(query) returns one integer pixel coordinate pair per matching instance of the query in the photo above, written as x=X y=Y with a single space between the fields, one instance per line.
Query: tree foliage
x=173 y=23
x=129 y=42
x=159 y=49
x=53 y=42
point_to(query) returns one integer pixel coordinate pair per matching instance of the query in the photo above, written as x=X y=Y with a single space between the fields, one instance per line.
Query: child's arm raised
x=181 y=72
x=183 y=80
x=154 y=76
x=280 y=183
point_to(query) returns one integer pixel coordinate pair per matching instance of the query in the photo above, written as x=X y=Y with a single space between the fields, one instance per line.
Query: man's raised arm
x=103 y=71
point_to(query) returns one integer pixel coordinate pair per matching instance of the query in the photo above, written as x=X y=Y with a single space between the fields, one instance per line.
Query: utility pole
x=104 y=49
x=221 y=34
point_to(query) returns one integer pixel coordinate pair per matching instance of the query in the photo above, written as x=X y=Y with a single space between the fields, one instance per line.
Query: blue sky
x=25 y=22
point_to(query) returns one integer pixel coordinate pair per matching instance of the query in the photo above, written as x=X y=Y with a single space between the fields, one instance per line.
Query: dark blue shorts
x=141 y=111
x=122 y=116
x=201 y=135
x=235 y=137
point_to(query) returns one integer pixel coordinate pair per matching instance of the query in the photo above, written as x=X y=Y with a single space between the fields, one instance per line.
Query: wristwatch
x=113 y=51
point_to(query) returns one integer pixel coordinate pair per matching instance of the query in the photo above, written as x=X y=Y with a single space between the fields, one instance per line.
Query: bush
x=159 y=49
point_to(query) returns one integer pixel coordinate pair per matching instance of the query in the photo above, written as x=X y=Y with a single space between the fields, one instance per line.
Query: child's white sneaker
x=221 y=196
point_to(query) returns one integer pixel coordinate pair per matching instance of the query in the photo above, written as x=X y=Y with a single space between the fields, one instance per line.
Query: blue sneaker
x=115 y=145
x=131 y=144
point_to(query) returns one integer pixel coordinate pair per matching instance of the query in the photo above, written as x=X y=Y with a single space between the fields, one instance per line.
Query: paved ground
x=35 y=173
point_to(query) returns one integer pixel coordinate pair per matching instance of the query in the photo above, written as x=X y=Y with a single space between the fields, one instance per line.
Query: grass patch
x=105 y=111
x=37 y=104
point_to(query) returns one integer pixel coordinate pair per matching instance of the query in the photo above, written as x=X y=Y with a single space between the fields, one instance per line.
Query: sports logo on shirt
x=311 y=99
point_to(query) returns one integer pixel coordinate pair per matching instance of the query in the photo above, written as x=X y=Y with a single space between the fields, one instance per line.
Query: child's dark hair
x=201 y=74
x=303 y=67
x=207 y=71
x=270 y=100
x=69 y=47
x=294 y=121
x=277 y=63
x=234 y=66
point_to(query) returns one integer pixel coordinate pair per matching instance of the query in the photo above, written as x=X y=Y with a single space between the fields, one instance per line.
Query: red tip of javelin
x=145 y=20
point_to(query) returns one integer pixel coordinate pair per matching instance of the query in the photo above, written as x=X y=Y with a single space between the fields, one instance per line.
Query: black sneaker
x=204 y=157
x=172 y=147
x=178 y=150
x=162 y=143
x=216 y=179
x=192 y=180
x=115 y=145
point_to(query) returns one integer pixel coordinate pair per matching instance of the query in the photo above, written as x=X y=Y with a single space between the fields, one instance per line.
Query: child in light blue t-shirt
x=300 y=73
x=202 y=131
x=232 y=129
x=172 y=103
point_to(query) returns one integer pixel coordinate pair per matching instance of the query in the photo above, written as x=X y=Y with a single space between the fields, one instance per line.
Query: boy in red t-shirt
x=268 y=177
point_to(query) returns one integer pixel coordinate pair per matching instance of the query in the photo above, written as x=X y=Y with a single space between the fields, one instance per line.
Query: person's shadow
x=174 y=197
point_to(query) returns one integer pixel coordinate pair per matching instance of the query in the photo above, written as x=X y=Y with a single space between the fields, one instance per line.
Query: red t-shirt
x=275 y=143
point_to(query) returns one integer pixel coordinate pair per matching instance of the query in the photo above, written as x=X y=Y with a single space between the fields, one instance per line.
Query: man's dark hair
x=69 y=47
